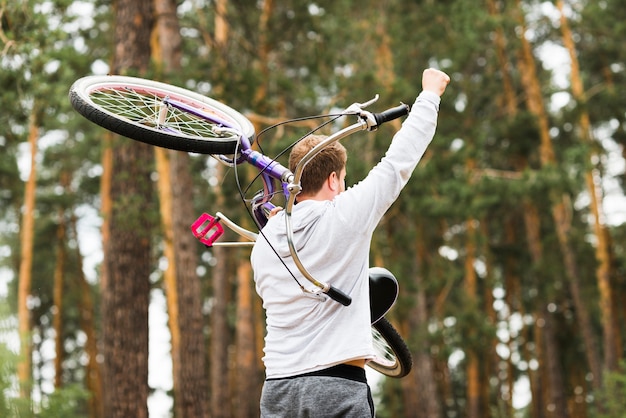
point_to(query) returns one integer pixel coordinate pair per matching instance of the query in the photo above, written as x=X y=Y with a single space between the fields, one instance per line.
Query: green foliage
x=69 y=401
x=8 y=360
x=65 y=402
x=611 y=401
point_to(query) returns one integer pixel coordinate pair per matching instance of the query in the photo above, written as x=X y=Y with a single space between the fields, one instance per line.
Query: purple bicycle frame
x=270 y=170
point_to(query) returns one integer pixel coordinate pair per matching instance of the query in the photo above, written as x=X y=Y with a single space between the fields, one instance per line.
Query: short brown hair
x=331 y=158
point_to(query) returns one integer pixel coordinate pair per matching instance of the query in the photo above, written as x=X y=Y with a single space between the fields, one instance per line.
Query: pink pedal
x=207 y=229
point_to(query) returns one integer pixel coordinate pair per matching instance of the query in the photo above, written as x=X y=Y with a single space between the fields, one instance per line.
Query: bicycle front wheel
x=393 y=357
x=160 y=114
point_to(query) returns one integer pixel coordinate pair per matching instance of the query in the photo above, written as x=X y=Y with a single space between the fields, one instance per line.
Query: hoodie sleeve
x=364 y=204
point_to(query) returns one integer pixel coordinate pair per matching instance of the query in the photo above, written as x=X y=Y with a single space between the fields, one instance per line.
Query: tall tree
x=603 y=257
x=93 y=370
x=425 y=393
x=194 y=389
x=26 y=260
x=220 y=338
x=128 y=251
x=246 y=395
x=183 y=285
x=59 y=284
x=560 y=207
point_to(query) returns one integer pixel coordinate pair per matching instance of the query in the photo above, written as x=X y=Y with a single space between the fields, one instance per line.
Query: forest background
x=508 y=242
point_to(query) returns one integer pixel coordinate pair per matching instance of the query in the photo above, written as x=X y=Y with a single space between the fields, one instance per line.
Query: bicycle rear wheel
x=138 y=109
x=393 y=357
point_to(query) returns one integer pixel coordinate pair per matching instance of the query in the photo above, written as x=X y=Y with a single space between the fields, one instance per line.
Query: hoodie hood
x=304 y=219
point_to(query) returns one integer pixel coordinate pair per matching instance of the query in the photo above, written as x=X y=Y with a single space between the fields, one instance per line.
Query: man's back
x=307 y=332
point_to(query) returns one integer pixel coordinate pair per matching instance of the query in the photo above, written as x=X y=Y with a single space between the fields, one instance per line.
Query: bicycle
x=171 y=117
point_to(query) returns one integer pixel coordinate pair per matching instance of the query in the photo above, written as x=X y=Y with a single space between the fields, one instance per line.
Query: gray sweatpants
x=318 y=396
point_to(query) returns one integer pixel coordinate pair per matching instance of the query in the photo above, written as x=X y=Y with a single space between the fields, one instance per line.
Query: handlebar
x=338 y=296
x=391 y=114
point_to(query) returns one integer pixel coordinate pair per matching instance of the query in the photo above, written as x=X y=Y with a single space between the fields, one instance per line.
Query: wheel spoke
x=144 y=107
x=383 y=351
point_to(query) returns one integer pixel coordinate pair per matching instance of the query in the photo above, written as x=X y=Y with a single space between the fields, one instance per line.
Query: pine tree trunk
x=513 y=299
x=219 y=342
x=421 y=399
x=105 y=197
x=532 y=228
x=169 y=275
x=510 y=102
x=247 y=395
x=126 y=299
x=184 y=287
x=490 y=358
x=193 y=378
x=128 y=253
x=537 y=376
x=551 y=383
x=562 y=222
x=552 y=367
x=166 y=39
x=221 y=406
x=511 y=279
x=471 y=356
x=263 y=49
x=603 y=270
x=27 y=231
x=57 y=320
x=93 y=374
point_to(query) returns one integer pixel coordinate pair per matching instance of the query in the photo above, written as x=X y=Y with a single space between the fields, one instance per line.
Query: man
x=316 y=348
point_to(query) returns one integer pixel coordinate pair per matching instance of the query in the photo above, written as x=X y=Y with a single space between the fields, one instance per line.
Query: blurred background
x=508 y=242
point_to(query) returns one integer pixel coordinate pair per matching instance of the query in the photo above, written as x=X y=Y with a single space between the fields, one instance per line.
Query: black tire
x=393 y=357
x=133 y=107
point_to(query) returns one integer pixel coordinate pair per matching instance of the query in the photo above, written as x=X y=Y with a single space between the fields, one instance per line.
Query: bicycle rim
x=134 y=107
x=393 y=357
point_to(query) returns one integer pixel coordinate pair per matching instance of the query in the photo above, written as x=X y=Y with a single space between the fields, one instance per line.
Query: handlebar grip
x=337 y=295
x=391 y=114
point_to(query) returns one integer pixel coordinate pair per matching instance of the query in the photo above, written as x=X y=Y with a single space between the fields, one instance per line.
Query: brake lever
x=357 y=108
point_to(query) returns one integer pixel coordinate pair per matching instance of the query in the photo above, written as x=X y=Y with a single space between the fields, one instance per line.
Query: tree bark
x=424 y=400
x=471 y=356
x=27 y=231
x=552 y=367
x=247 y=395
x=93 y=373
x=194 y=381
x=490 y=359
x=105 y=197
x=220 y=338
x=169 y=275
x=128 y=253
x=514 y=303
x=126 y=300
x=57 y=320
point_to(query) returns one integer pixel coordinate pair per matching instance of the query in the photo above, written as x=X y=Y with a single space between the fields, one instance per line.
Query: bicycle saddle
x=383 y=292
